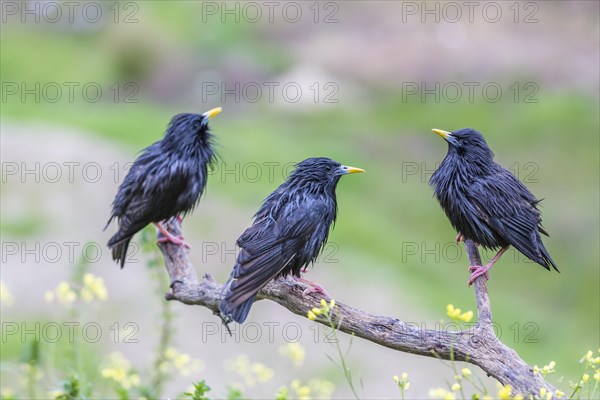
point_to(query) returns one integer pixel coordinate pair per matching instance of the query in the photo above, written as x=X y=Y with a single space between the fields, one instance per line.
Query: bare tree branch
x=477 y=345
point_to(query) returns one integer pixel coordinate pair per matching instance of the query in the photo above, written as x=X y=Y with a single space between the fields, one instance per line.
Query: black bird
x=165 y=181
x=485 y=202
x=288 y=232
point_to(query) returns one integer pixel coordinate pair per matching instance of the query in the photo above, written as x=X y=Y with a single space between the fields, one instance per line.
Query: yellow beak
x=442 y=133
x=353 y=170
x=213 y=112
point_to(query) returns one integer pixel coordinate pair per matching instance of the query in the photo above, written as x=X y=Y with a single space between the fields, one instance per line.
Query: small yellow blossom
x=86 y=295
x=295 y=352
x=505 y=392
x=323 y=303
x=559 y=394
x=49 y=296
x=441 y=393
x=404 y=376
x=518 y=397
x=466 y=372
x=120 y=371
x=316 y=310
x=456 y=387
x=311 y=315
x=331 y=303
x=457 y=315
x=585 y=378
x=65 y=294
x=6 y=296
x=396 y=379
x=321 y=388
x=597 y=375
x=466 y=317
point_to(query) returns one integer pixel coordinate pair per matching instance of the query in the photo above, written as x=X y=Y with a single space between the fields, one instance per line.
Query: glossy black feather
x=167 y=179
x=485 y=202
x=288 y=232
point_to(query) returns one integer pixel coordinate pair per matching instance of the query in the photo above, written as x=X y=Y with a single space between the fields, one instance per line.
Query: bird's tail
x=546 y=261
x=119 y=247
x=237 y=313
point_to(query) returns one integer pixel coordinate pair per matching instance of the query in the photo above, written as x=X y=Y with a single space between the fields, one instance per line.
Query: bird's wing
x=507 y=206
x=271 y=245
x=148 y=194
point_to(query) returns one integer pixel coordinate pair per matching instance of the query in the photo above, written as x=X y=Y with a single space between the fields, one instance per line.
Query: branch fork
x=477 y=345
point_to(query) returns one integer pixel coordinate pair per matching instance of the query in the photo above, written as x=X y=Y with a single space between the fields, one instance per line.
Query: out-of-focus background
x=86 y=85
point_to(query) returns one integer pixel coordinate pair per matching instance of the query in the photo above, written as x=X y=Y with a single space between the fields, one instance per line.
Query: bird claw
x=459 y=237
x=477 y=271
x=311 y=287
x=179 y=241
x=316 y=289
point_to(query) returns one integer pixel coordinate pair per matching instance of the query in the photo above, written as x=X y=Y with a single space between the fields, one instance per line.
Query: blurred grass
x=387 y=209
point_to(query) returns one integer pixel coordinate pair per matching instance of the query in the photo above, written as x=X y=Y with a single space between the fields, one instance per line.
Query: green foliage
x=70 y=389
x=200 y=390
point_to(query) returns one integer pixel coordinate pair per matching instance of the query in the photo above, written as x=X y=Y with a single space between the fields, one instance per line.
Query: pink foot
x=477 y=271
x=459 y=237
x=179 y=241
x=312 y=287
x=168 y=237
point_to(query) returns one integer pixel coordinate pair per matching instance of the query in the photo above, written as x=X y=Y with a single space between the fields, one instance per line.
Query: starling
x=485 y=202
x=288 y=233
x=165 y=181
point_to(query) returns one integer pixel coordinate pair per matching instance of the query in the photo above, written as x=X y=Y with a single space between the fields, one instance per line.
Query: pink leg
x=168 y=237
x=459 y=237
x=478 y=270
x=312 y=287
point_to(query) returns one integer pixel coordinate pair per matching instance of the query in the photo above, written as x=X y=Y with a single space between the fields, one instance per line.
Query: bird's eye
x=196 y=124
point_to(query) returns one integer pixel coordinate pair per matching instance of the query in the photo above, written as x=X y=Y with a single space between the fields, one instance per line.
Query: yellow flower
x=404 y=376
x=597 y=375
x=559 y=394
x=466 y=372
x=322 y=388
x=86 y=295
x=396 y=379
x=466 y=317
x=332 y=303
x=440 y=393
x=585 y=378
x=6 y=296
x=65 y=294
x=536 y=370
x=456 y=387
x=323 y=303
x=316 y=310
x=311 y=315
x=49 y=296
x=295 y=352
x=518 y=397
x=587 y=356
x=505 y=392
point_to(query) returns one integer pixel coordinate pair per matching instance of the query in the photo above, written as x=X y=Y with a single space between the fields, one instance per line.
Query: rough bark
x=477 y=345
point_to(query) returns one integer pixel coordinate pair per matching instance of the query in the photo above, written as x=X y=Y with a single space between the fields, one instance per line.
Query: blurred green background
x=374 y=78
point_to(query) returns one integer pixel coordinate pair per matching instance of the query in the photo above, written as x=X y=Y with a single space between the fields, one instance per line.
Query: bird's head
x=468 y=144
x=321 y=172
x=188 y=128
